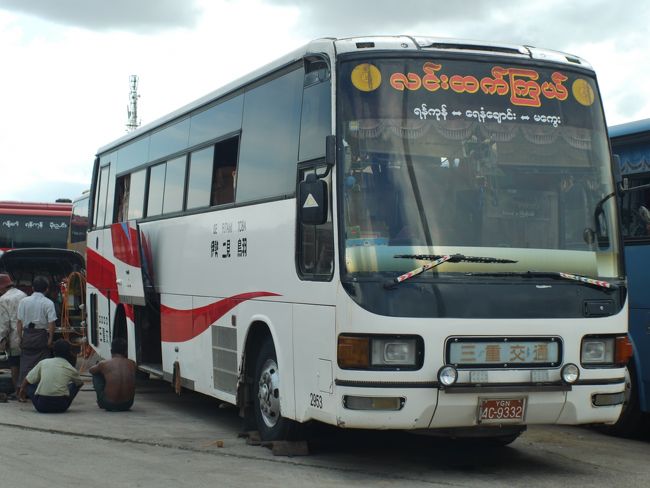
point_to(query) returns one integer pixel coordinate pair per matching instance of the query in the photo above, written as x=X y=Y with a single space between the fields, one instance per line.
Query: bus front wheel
x=271 y=425
x=633 y=422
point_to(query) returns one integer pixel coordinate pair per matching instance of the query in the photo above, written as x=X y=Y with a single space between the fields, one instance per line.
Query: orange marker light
x=623 y=351
x=353 y=352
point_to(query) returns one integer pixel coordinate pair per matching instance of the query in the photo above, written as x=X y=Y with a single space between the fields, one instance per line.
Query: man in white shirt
x=53 y=383
x=36 y=320
x=10 y=297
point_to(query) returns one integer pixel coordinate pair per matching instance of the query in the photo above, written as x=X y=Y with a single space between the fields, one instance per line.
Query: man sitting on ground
x=114 y=379
x=53 y=383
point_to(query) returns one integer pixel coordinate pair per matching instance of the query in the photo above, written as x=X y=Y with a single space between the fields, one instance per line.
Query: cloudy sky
x=65 y=64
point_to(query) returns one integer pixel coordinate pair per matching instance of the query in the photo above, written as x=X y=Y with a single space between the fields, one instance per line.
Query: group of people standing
x=44 y=370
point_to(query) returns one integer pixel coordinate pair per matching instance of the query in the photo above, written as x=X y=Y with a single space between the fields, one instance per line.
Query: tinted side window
x=200 y=178
x=635 y=209
x=169 y=140
x=316 y=121
x=136 y=194
x=217 y=121
x=174 y=185
x=315 y=249
x=100 y=203
x=269 y=141
x=133 y=154
x=79 y=220
x=156 y=187
x=225 y=171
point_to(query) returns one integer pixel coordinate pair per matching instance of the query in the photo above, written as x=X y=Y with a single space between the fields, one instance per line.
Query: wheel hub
x=268 y=393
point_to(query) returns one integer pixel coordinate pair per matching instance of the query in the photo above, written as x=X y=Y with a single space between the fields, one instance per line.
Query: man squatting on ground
x=114 y=379
x=10 y=297
x=53 y=383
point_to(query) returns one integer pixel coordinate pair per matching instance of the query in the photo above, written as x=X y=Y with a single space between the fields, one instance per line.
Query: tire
x=633 y=422
x=266 y=398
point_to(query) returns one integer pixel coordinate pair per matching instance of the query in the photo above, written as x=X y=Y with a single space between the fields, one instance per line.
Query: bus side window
x=635 y=216
x=100 y=203
x=122 y=198
x=129 y=197
x=224 y=177
x=315 y=249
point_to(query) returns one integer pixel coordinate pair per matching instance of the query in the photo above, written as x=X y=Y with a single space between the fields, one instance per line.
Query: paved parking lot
x=189 y=440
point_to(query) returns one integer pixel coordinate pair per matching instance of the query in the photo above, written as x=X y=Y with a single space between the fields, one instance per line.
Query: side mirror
x=621 y=183
x=616 y=168
x=330 y=150
x=312 y=201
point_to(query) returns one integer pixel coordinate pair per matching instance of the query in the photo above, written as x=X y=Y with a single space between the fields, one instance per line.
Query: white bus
x=384 y=233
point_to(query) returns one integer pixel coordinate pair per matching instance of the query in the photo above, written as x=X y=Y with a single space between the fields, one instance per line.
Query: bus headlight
x=597 y=350
x=393 y=352
x=605 y=350
x=380 y=352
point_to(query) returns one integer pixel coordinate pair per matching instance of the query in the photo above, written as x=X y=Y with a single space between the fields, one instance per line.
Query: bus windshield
x=481 y=158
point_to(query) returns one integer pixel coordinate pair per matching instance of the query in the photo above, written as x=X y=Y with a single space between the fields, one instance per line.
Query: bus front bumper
x=422 y=407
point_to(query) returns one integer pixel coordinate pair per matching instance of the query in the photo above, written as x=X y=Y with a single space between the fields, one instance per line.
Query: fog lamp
x=570 y=373
x=447 y=375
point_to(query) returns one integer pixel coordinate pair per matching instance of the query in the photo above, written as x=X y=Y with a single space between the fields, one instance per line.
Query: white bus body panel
x=206 y=285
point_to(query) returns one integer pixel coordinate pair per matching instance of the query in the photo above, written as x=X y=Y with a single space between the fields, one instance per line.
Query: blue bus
x=631 y=142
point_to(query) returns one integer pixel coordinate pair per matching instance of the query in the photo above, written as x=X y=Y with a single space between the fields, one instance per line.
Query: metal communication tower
x=132 y=110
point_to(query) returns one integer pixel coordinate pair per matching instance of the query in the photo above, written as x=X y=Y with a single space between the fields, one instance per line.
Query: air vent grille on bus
x=474 y=47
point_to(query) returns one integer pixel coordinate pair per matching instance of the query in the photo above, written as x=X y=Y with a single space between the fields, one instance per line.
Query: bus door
x=128 y=262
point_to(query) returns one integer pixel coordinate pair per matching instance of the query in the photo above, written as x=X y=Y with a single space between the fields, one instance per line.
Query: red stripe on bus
x=125 y=244
x=101 y=274
x=176 y=325
x=183 y=325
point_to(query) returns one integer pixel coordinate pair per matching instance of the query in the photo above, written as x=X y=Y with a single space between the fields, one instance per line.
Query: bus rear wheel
x=270 y=423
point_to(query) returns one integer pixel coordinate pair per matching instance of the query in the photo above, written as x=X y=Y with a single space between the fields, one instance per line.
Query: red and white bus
x=385 y=233
x=79 y=224
x=31 y=224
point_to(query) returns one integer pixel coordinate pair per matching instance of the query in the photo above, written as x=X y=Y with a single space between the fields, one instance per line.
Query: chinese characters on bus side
x=229 y=246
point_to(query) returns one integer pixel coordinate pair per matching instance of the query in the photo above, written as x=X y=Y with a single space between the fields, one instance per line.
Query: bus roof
x=333 y=46
x=629 y=128
x=36 y=208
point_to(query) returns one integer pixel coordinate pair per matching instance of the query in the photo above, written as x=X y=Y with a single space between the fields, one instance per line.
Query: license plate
x=501 y=410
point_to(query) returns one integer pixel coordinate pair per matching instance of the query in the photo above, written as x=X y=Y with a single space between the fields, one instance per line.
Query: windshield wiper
x=574 y=277
x=436 y=260
x=555 y=275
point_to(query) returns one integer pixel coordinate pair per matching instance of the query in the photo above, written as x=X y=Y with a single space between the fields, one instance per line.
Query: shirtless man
x=114 y=379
